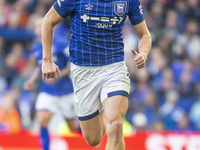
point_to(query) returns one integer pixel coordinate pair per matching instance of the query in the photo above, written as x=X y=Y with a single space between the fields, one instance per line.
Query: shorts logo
x=120 y=7
x=141 y=10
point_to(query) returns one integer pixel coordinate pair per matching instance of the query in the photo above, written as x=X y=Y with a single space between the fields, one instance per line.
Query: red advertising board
x=138 y=141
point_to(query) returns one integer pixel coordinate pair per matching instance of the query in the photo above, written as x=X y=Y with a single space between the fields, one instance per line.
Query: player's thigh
x=116 y=81
x=87 y=86
x=45 y=107
x=115 y=108
x=67 y=106
x=93 y=128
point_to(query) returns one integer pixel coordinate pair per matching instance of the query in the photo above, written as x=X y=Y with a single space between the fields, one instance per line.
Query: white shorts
x=62 y=104
x=92 y=85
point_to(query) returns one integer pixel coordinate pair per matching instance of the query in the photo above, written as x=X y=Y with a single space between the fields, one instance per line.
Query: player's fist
x=139 y=59
x=49 y=70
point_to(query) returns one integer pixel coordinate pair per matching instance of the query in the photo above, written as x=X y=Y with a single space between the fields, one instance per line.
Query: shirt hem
x=96 y=65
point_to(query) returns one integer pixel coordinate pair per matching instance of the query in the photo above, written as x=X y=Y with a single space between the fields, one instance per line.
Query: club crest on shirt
x=120 y=7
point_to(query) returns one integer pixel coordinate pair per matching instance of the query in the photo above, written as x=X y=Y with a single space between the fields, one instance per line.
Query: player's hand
x=49 y=70
x=28 y=85
x=139 y=59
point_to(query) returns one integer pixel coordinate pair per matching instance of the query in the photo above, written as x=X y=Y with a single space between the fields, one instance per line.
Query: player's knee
x=43 y=121
x=93 y=141
x=115 y=130
x=43 y=118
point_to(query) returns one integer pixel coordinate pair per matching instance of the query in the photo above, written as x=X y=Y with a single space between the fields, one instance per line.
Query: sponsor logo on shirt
x=104 y=22
x=88 y=7
x=104 y=25
x=113 y=20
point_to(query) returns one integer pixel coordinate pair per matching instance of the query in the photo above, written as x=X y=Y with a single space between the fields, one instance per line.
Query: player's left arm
x=144 y=45
x=136 y=17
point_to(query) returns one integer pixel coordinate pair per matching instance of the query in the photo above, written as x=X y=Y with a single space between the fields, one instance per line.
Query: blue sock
x=44 y=137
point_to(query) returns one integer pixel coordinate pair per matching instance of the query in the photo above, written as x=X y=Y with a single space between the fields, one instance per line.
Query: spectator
x=9 y=117
x=158 y=126
x=183 y=124
x=170 y=112
x=151 y=107
x=194 y=114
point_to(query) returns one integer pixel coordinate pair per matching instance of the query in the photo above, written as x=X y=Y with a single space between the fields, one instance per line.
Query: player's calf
x=93 y=129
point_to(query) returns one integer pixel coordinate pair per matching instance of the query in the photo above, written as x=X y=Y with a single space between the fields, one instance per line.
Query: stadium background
x=165 y=96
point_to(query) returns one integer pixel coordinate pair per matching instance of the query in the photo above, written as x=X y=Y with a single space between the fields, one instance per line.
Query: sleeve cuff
x=57 y=8
x=137 y=21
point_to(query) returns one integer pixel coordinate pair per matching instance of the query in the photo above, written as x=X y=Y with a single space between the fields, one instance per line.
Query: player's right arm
x=60 y=10
x=49 y=68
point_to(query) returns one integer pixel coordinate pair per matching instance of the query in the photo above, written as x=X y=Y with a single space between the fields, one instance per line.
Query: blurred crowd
x=165 y=95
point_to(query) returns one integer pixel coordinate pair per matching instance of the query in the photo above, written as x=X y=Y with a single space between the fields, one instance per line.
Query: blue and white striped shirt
x=96 y=27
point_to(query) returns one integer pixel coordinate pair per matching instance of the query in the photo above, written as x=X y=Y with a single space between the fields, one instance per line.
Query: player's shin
x=44 y=138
